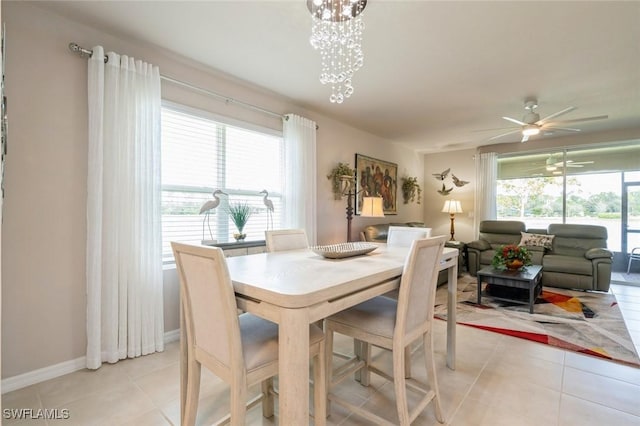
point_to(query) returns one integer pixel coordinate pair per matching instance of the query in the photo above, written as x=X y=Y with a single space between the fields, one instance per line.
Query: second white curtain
x=486 y=189
x=299 y=135
x=124 y=248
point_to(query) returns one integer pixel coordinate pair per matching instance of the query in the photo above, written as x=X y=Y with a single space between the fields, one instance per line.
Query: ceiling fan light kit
x=530 y=130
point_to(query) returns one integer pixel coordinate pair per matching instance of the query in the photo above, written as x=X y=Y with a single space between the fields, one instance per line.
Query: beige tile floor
x=499 y=380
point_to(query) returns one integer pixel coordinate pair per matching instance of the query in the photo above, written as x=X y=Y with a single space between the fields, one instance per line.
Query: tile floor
x=499 y=380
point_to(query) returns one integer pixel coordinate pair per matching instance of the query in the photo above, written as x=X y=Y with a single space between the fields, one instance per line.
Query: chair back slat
x=286 y=239
x=403 y=236
x=208 y=301
x=418 y=286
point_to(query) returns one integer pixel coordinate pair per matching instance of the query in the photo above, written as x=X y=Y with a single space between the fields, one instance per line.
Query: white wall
x=44 y=228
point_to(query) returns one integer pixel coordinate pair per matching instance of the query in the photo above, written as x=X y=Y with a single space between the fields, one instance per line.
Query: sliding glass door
x=597 y=185
x=631 y=212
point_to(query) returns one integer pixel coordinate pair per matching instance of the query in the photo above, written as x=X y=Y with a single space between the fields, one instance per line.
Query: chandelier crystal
x=337 y=33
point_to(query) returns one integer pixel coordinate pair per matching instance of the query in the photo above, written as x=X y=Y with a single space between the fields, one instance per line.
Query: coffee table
x=529 y=278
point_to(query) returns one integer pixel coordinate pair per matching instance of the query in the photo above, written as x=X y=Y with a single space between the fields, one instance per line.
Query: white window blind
x=200 y=154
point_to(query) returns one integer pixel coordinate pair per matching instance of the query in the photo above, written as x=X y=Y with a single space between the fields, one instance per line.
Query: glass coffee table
x=529 y=279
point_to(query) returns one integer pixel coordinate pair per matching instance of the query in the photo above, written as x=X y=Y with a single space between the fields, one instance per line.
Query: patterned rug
x=587 y=322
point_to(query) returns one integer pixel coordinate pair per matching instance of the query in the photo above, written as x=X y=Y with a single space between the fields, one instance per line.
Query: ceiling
x=435 y=72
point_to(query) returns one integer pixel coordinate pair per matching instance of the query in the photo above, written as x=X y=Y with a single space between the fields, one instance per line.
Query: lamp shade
x=371 y=207
x=452 y=206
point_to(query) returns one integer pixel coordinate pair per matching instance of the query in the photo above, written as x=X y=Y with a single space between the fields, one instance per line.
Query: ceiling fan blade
x=571 y=163
x=525 y=138
x=556 y=114
x=566 y=129
x=577 y=120
x=513 y=120
x=503 y=134
x=493 y=130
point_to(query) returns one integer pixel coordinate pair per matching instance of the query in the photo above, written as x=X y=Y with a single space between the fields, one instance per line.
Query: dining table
x=298 y=287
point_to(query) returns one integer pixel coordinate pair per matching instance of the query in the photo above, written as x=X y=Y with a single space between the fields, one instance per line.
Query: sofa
x=378 y=234
x=572 y=256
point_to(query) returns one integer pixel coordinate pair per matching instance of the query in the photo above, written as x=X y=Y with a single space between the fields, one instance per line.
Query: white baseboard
x=172 y=336
x=47 y=373
x=40 y=375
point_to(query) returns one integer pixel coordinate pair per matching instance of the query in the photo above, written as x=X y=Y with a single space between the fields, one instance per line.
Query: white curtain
x=300 y=175
x=124 y=249
x=486 y=190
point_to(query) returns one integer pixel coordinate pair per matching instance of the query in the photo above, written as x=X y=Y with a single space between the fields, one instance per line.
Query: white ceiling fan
x=531 y=124
x=552 y=163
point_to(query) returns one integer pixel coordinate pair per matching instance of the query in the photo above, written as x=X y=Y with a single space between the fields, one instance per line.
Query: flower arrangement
x=240 y=214
x=410 y=189
x=512 y=257
x=342 y=169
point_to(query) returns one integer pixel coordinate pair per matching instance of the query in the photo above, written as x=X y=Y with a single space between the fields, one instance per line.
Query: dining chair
x=403 y=236
x=634 y=255
x=242 y=350
x=286 y=239
x=394 y=325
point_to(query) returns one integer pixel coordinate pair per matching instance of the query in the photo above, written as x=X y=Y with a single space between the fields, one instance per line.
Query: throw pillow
x=536 y=240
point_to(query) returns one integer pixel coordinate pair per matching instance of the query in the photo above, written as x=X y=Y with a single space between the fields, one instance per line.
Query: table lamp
x=371 y=206
x=452 y=207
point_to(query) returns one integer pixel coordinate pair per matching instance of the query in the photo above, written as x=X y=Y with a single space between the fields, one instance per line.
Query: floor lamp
x=371 y=206
x=452 y=207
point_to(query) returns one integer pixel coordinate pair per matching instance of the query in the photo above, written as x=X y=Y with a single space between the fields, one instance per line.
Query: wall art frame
x=376 y=177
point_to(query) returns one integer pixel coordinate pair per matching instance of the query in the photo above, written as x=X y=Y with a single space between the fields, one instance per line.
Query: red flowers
x=510 y=252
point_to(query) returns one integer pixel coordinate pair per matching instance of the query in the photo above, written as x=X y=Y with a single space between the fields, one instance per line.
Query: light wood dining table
x=298 y=287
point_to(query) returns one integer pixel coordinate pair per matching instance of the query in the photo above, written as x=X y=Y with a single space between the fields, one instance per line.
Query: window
x=582 y=185
x=202 y=153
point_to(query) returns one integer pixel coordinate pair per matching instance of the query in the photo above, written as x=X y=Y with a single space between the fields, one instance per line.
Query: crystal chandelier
x=337 y=34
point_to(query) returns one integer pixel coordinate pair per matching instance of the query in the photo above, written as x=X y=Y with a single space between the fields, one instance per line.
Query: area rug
x=587 y=322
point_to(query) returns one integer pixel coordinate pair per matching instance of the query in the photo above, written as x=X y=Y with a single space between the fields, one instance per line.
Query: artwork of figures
x=377 y=178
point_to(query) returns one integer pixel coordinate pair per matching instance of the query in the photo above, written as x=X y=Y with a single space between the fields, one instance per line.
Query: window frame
x=222 y=221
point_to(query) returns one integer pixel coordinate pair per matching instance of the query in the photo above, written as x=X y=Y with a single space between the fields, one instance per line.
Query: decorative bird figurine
x=444 y=191
x=441 y=176
x=207 y=207
x=269 y=205
x=212 y=204
x=457 y=181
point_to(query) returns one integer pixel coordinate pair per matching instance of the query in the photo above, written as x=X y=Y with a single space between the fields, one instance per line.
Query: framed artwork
x=377 y=178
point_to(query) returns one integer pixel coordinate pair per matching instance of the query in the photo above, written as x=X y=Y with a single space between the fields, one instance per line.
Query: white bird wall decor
x=456 y=181
x=269 y=205
x=207 y=208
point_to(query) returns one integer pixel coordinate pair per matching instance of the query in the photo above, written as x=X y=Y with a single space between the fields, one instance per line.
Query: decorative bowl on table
x=338 y=251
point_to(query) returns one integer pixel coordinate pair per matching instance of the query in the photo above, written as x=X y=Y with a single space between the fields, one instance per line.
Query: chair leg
x=267 y=398
x=357 y=350
x=319 y=388
x=399 y=384
x=238 y=401
x=407 y=362
x=365 y=374
x=328 y=361
x=431 y=374
x=192 y=391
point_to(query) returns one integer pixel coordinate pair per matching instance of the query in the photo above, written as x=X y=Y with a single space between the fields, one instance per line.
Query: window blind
x=201 y=154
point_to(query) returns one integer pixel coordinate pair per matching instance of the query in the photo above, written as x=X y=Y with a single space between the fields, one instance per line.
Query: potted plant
x=410 y=189
x=337 y=175
x=240 y=214
x=511 y=257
